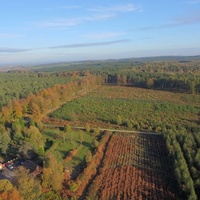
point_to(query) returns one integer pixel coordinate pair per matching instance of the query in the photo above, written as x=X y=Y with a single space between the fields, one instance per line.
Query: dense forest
x=40 y=112
x=20 y=84
x=173 y=76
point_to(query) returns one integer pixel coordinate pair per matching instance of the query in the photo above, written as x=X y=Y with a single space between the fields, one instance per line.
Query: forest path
x=107 y=129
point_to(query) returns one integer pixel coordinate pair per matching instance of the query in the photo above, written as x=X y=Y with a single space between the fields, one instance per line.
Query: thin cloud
x=60 y=23
x=79 y=45
x=99 y=17
x=116 y=8
x=192 y=2
x=189 y=19
x=104 y=35
x=9 y=35
x=12 y=50
x=93 y=14
x=193 y=18
x=64 y=7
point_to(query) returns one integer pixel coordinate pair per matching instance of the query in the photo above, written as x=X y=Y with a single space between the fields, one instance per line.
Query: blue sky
x=45 y=31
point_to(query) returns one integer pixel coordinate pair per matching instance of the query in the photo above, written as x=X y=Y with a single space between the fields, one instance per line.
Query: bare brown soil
x=135 y=167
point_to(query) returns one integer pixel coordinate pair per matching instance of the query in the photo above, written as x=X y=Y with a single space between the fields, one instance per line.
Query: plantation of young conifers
x=118 y=130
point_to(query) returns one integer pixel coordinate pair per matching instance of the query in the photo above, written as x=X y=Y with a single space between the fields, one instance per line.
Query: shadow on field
x=87 y=144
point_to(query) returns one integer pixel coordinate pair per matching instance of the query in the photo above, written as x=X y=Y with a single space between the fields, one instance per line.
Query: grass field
x=61 y=144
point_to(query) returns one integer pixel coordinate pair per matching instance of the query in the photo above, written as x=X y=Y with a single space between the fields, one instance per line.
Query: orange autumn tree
x=52 y=176
x=7 y=191
x=17 y=109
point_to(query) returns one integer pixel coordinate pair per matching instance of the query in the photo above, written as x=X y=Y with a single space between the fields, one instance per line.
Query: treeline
x=32 y=108
x=184 y=153
x=173 y=76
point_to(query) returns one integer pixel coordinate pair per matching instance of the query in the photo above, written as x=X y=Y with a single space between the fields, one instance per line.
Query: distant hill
x=90 y=64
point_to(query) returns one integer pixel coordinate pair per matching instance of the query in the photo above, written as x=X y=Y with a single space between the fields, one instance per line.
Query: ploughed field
x=134 y=166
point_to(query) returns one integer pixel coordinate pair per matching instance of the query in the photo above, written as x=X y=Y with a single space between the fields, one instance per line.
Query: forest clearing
x=131 y=107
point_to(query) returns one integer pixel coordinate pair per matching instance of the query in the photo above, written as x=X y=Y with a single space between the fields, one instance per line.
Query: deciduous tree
x=52 y=176
x=28 y=187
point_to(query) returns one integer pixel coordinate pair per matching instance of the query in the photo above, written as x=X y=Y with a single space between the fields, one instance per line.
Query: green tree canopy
x=28 y=187
x=5 y=185
x=4 y=139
